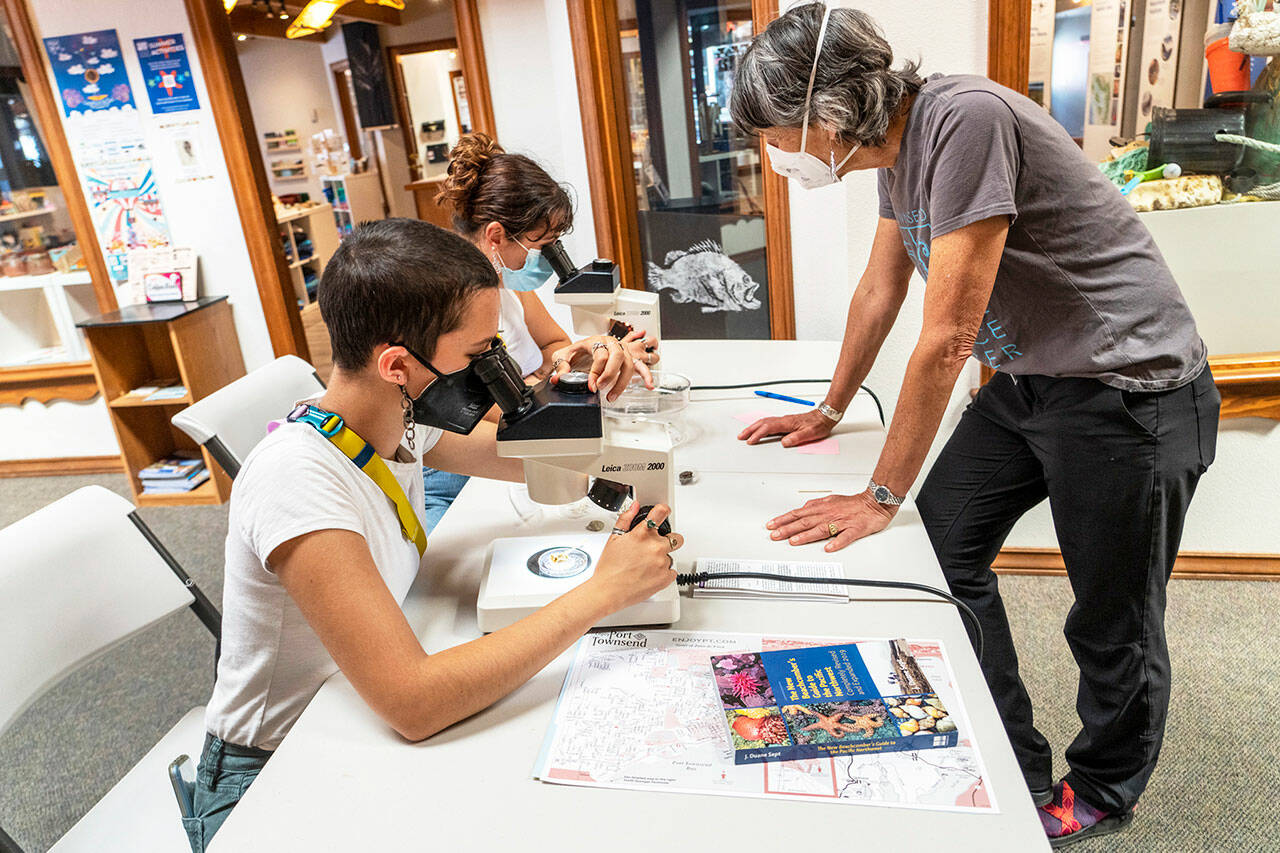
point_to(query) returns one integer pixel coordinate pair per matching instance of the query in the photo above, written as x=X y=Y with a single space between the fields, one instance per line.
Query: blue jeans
x=226 y=771
x=441 y=488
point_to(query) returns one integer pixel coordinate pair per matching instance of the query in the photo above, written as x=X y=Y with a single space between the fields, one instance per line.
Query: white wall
x=288 y=87
x=202 y=215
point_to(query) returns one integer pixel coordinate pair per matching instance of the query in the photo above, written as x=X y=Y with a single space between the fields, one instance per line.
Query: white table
x=343 y=780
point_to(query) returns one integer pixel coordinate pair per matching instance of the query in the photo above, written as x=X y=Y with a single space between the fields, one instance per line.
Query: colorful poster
x=105 y=135
x=167 y=73
x=89 y=71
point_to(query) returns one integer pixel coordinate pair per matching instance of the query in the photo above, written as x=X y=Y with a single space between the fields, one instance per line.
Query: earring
x=406 y=403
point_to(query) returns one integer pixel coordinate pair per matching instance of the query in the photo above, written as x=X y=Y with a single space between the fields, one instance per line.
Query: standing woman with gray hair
x=1102 y=399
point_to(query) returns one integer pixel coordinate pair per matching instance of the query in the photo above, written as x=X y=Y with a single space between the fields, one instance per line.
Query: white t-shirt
x=296 y=481
x=515 y=334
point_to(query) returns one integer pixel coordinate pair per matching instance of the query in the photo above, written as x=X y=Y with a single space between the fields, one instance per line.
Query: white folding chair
x=77 y=578
x=231 y=420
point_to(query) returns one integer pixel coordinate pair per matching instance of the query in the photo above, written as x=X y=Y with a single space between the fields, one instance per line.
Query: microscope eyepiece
x=501 y=376
x=559 y=259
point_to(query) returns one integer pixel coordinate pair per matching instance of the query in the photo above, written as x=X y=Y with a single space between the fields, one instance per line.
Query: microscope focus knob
x=573 y=382
x=664 y=528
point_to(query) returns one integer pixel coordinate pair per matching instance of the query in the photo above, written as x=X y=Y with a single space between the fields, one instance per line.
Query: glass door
x=699 y=187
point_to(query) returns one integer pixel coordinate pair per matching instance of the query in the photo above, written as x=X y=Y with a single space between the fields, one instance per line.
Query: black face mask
x=457 y=401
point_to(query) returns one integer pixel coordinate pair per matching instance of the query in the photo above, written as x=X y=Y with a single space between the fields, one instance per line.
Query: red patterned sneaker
x=1067 y=820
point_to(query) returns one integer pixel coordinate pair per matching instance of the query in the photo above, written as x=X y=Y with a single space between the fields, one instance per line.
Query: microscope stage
x=525 y=573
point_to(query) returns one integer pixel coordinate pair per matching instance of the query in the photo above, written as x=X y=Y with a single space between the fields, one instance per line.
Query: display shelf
x=24 y=214
x=205 y=493
x=195 y=342
x=314 y=226
x=124 y=401
x=35 y=282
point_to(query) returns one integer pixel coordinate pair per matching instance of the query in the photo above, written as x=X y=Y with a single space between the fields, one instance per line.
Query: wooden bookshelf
x=139 y=344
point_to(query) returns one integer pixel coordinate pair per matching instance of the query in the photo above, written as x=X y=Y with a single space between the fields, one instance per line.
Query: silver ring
x=651 y=524
x=556 y=363
x=599 y=345
x=617 y=531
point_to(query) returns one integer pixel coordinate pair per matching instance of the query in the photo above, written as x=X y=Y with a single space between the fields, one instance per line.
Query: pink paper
x=749 y=418
x=826 y=447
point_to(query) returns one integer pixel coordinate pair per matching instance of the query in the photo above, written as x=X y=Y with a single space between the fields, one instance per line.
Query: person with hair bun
x=1101 y=402
x=509 y=208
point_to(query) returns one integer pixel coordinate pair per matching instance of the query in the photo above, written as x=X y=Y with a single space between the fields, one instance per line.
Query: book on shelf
x=176 y=466
x=175 y=487
x=829 y=701
x=168 y=392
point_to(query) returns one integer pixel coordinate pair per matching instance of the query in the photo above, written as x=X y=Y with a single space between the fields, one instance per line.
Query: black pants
x=1119 y=469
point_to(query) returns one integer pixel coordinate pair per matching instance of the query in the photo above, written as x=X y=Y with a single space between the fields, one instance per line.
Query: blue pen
x=774 y=396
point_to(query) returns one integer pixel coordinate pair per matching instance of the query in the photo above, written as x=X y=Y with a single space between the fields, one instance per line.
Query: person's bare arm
x=962 y=272
x=475 y=455
x=331 y=576
x=872 y=312
x=545 y=331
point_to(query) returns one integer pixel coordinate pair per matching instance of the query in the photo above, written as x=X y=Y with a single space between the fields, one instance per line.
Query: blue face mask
x=531 y=276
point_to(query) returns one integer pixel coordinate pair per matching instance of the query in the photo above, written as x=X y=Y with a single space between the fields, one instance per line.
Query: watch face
x=882 y=494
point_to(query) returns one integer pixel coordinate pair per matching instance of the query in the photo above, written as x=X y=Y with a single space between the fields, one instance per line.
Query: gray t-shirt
x=1082 y=289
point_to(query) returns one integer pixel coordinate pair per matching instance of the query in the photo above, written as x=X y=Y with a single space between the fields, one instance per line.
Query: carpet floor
x=1209 y=792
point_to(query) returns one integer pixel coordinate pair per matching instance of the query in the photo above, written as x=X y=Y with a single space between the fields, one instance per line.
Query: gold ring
x=675 y=543
x=831 y=529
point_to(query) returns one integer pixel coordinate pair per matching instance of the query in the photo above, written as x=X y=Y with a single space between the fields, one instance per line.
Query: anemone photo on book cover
x=753 y=728
x=741 y=681
x=840 y=722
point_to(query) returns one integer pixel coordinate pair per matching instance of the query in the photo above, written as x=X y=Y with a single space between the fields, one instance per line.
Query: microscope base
x=511 y=590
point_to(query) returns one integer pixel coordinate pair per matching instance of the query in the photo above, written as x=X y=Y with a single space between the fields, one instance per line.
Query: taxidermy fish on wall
x=704 y=274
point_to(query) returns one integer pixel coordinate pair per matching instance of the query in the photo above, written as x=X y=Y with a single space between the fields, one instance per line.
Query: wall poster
x=105 y=134
x=1108 y=55
x=167 y=72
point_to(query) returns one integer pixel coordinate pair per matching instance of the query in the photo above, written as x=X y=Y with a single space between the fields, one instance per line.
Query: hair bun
x=467 y=161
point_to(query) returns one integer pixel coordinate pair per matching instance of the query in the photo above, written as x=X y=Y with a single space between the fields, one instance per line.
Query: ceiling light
x=241 y=37
x=228 y=5
x=314 y=17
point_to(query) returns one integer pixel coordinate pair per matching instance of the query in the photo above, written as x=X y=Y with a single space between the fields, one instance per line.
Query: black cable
x=691 y=578
x=879 y=407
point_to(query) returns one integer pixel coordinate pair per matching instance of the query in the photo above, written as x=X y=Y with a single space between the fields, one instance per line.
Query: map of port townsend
x=641 y=710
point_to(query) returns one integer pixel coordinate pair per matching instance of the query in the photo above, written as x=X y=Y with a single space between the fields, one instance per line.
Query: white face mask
x=801 y=166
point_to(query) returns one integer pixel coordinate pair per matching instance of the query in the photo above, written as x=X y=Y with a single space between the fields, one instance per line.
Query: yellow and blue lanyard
x=361 y=453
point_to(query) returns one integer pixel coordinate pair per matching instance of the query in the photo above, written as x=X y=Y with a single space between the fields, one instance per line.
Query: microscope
x=570 y=449
x=598 y=303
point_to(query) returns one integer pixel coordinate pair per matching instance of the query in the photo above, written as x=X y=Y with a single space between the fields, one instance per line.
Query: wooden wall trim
x=231 y=114
x=777 y=222
x=59 y=466
x=45 y=383
x=597 y=59
x=474 y=71
x=1191 y=565
x=30 y=53
x=1009 y=43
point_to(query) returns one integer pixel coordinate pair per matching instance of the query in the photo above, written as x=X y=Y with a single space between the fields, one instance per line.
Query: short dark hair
x=398 y=280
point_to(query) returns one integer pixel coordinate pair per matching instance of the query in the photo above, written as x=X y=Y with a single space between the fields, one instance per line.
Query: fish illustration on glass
x=704 y=274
